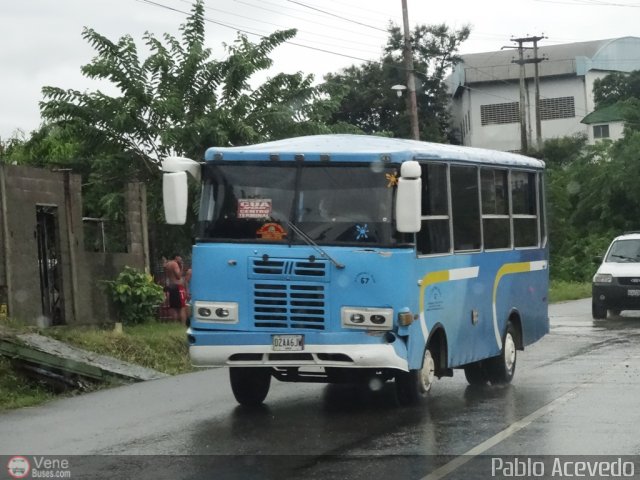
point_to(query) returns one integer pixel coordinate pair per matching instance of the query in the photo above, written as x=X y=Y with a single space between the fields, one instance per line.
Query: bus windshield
x=331 y=204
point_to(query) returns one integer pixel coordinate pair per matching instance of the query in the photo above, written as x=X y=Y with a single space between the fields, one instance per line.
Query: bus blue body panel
x=464 y=294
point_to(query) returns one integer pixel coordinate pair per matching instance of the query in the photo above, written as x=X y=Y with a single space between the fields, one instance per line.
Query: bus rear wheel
x=501 y=369
x=414 y=385
x=476 y=374
x=250 y=385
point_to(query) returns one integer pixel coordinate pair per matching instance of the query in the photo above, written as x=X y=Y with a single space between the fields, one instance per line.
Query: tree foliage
x=179 y=100
x=368 y=102
x=615 y=87
x=592 y=189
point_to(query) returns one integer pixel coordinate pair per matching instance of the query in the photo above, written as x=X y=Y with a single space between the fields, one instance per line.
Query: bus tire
x=414 y=385
x=501 y=369
x=250 y=385
x=476 y=374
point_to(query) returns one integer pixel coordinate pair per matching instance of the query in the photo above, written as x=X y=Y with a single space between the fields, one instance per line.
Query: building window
x=601 y=131
x=554 y=108
x=499 y=113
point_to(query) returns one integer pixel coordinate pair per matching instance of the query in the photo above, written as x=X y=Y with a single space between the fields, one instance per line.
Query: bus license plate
x=633 y=293
x=287 y=343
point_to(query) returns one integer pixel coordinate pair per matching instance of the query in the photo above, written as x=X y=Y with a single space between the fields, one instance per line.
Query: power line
x=359 y=12
x=304 y=32
x=590 y=4
x=242 y=30
x=377 y=37
x=337 y=16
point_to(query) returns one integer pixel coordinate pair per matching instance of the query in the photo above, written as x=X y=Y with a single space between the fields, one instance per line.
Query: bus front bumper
x=383 y=355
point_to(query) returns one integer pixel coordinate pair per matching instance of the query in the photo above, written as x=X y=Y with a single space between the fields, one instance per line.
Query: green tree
x=176 y=101
x=366 y=98
x=181 y=101
x=615 y=87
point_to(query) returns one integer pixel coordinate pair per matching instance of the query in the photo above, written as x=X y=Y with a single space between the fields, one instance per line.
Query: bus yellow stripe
x=429 y=279
x=441 y=276
x=508 y=269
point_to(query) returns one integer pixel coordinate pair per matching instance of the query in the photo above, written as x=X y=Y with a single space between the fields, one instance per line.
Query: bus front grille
x=289 y=269
x=283 y=305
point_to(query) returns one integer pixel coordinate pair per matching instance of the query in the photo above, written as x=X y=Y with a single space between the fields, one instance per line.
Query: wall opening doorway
x=50 y=264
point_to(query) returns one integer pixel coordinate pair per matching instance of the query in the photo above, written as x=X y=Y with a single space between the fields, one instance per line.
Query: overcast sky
x=41 y=44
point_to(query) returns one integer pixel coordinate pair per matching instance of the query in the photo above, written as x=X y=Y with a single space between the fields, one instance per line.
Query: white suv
x=616 y=284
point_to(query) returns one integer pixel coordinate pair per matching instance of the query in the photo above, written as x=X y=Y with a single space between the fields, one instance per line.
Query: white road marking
x=457 y=462
x=515 y=427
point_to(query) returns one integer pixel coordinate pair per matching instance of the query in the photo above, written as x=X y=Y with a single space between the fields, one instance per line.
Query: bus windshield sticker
x=362 y=231
x=254 y=208
x=392 y=179
x=271 y=231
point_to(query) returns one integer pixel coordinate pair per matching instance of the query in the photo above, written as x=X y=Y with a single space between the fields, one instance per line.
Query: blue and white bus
x=347 y=258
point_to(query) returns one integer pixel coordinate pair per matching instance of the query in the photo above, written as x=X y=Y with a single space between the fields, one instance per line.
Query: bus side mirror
x=175 y=197
x=409 y=198
x=175 y=189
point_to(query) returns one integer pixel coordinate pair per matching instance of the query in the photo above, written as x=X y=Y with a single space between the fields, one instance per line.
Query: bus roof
x=365 y=148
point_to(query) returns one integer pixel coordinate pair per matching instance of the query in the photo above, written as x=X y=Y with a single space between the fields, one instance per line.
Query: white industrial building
x=485 y=91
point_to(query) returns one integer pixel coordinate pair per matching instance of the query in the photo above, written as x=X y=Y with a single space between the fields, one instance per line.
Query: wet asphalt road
x=576 y=392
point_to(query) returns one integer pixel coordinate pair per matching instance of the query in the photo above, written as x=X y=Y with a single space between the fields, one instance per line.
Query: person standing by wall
x=176 y=288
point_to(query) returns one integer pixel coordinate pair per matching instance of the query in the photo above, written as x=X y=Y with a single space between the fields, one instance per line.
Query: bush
x=135 y=295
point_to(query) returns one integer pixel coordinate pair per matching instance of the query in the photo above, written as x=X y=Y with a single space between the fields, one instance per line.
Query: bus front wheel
x=414 y=385
x=250 y=385
x=501 y=369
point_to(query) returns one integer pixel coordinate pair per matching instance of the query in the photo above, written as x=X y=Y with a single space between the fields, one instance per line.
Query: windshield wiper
x=624 y=257
x=313 y=244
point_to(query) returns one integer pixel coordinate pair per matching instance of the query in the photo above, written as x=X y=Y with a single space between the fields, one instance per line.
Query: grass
x=17 y=392
x=561 y=291
x=161 y=346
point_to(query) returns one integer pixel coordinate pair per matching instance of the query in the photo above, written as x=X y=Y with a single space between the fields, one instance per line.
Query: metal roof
x=365 y=148
x=610 y=113
x=617 y=54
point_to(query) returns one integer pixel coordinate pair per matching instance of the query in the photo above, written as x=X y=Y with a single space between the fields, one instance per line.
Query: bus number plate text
x=287 y=343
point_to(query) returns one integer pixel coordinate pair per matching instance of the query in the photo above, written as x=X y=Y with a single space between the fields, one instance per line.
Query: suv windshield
x=330 y=204
x=624 y=251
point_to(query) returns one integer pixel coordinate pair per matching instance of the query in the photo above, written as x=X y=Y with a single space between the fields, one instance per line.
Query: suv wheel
x=598 y=312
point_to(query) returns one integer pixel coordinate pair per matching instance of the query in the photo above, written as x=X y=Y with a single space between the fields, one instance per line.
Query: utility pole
x=536 y=77
x=412 y=104
x=522 y=62
x=523 y=111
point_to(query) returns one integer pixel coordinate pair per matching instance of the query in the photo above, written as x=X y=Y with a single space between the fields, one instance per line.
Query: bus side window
x=525 y=218
x=465 y=208
x=542 y=215
x=496 y=227
x=434 y=236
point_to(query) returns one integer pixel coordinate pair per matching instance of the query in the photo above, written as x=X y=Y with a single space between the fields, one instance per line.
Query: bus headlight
x=216 y=312
x=367 y=318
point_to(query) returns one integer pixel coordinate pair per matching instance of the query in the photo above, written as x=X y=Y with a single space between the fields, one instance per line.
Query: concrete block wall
x=22 y=189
